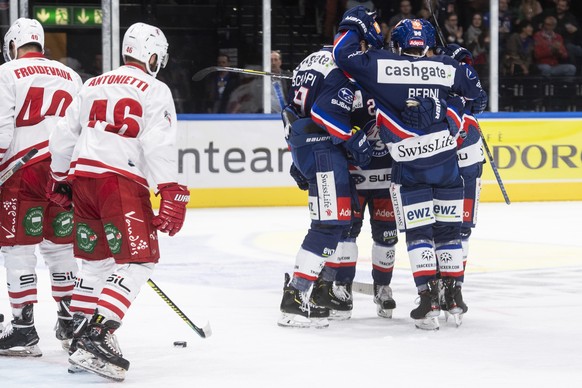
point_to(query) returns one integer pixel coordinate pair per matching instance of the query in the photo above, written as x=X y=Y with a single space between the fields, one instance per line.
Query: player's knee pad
x=122 y=287
x=422 y=261
x=465 y=234
x=450 y=259
x=90 y=280
x=308 y=265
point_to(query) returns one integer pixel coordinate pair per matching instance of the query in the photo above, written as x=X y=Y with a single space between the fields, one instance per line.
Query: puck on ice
x=180 y=344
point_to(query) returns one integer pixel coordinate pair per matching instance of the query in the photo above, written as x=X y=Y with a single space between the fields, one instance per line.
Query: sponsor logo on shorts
x=86 y=238
x=33 y=221
x=63 y=224
x=113 y=236
x=445 y=257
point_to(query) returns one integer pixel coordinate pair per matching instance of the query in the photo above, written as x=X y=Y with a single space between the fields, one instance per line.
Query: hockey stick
x=17 y=165
x=363 y=288
x=203 y=332
x=485 y=145
x=204 y=72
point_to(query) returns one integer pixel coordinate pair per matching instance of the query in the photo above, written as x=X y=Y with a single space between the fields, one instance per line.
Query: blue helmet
x=430 y=33
x=413 y=33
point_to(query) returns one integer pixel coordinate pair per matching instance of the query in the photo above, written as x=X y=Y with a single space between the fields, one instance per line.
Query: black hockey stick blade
x=29 y=155
x=203 y=332
x=201 y=74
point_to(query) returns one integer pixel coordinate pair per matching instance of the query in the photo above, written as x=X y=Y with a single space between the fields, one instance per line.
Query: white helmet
x=22 y=32
x=141 y=41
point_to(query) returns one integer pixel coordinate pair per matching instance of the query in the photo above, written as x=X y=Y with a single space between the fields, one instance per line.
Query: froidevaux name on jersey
x=26 y=71
x=417 y=73
x=425 y=146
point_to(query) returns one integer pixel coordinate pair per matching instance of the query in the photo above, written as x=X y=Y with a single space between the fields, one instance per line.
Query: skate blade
x=457 y=317
x=22 y=351
x=66 y=344
x=384 y=313
x=429 y=323
x=75 y=369
x=338 y=315
x=90 y=363
x=299 y=321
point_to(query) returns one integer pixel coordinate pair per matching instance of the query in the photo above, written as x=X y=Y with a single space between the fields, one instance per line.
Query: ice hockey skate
x=19 y=338
x=453 y=301
x=383 y=299
x=298 y=310
x=64 y=325
x=337 y=298
x=426 y=314
x=98 y=351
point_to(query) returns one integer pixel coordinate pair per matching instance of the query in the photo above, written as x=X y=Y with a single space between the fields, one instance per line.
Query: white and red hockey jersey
x=35 y=92
x=123 y=122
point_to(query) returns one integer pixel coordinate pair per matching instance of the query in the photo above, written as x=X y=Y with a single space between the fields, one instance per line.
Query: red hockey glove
x=170 y=219
x=59 y=192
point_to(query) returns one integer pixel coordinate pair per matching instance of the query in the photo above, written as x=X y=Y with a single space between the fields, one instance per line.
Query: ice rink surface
x=523 y=288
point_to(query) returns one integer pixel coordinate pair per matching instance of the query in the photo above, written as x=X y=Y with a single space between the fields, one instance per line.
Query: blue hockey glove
x=422 y=112
x=458 y=53
x=479 y=104
x=300 y=179
x=362 y=21
x=359 y=150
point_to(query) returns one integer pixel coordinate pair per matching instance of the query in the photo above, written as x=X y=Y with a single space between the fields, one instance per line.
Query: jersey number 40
x=30 y=113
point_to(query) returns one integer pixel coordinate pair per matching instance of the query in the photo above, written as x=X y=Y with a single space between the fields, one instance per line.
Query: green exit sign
x=68 y=16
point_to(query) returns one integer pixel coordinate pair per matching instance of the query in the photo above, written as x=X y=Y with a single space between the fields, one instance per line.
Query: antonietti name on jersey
x=119 y=79
x=22 y=72
x=417 y=72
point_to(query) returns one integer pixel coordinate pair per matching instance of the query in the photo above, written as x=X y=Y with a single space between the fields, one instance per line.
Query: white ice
x=523 y=327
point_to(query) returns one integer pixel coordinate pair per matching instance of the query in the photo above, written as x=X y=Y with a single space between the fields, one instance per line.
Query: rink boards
x=242 y=160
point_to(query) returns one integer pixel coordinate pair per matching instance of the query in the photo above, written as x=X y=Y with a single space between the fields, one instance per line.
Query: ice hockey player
x=427 y=189
x=321 y=139
x=35 y=92
x=471 y=159
x=373 y=189
x=118 y=134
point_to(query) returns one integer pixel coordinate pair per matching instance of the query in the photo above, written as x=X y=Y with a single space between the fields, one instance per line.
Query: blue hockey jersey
x=321 y=91
x=392 y=79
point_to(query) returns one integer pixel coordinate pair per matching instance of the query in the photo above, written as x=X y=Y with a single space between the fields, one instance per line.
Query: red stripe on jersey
x=63 y=288
x=453 y=274
x=385 y=121
x=95 y=163
x=21 y=294
x=111 y=307
x=85 y=298
x=340 y=265
x=116 y=295
x=382 y=269
x=304 y=276
x=21 y=153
